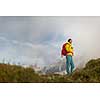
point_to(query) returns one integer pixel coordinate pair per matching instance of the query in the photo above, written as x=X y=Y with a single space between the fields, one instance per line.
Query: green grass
x=18 y=74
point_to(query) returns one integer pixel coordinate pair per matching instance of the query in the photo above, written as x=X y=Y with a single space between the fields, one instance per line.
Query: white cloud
x=40 y=38
x=27 y=53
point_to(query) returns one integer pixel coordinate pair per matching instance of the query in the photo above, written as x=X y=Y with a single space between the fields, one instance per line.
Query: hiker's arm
x=72 y=50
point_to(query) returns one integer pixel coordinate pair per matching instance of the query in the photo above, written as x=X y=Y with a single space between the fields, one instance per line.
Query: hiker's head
x=70 y=40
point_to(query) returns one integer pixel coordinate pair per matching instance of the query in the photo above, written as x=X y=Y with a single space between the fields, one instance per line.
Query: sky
x=38 y=40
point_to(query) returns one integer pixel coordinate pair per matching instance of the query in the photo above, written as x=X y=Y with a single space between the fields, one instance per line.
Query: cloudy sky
x=38 y=40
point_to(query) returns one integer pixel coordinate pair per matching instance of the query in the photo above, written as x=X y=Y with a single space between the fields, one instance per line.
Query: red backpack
x=63 y=51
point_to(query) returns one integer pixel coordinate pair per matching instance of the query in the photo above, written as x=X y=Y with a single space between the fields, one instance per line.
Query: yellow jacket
x=69 y=49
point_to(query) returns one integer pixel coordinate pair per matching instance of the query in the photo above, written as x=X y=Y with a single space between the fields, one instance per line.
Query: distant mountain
x=60 y=66
x=53 y=68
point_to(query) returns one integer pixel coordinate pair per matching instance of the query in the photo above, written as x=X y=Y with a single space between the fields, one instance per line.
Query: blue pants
x=69 y=64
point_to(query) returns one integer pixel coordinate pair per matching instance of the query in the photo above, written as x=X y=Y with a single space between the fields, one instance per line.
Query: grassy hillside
x=14 y=73
x=18 y=74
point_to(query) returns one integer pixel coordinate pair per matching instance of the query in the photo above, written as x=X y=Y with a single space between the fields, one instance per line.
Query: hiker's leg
x=68 y=59
x=72 y=65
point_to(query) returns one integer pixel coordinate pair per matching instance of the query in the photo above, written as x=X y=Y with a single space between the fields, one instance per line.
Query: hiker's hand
x=72 y=54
